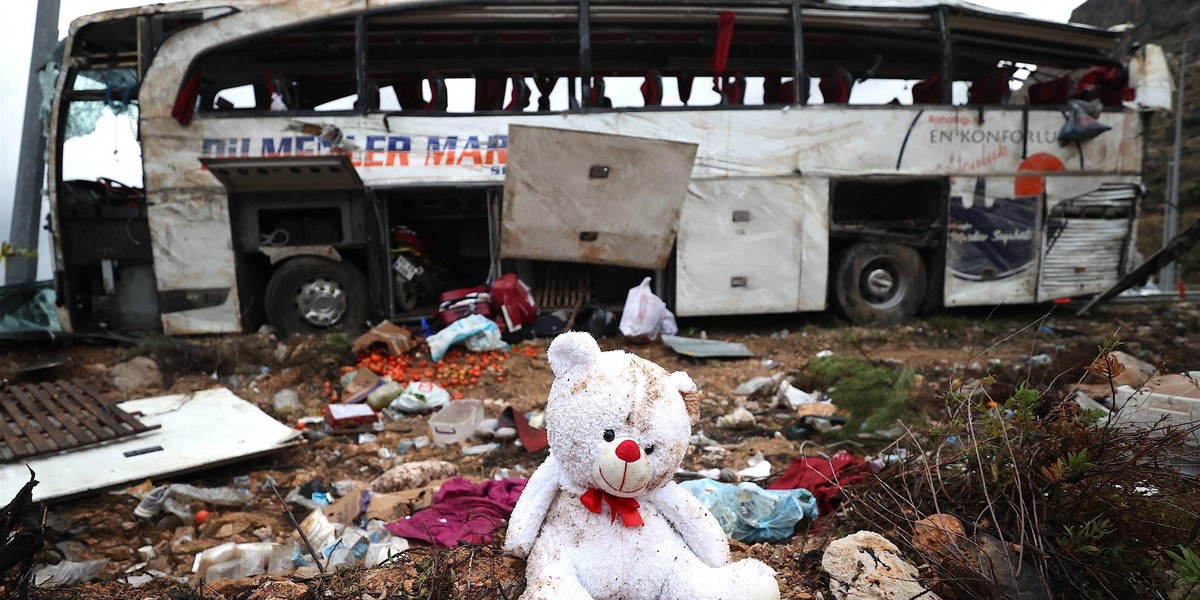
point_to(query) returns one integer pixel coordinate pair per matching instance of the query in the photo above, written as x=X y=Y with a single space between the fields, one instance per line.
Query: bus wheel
x=878 y=282
x=310 y=295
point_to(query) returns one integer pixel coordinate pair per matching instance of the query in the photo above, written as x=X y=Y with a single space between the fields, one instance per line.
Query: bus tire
x=875 y=282
x=309 y=294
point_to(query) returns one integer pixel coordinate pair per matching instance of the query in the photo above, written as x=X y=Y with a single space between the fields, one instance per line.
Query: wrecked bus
x=316 y=165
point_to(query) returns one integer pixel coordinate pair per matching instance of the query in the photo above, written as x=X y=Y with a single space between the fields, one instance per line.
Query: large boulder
x=866 y=566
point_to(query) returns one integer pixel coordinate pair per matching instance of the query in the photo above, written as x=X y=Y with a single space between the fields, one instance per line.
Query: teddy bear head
x=616 y=422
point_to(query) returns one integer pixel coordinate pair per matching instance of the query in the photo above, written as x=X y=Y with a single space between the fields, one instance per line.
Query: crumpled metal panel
x=1087 y=237
x=575 y=196
x=1150 y=75
x=193 y=248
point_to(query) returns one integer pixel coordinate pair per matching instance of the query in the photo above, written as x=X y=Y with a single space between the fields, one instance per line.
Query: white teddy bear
x=602 y=516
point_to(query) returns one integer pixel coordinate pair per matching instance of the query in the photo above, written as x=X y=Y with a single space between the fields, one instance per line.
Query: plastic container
x=456 y=421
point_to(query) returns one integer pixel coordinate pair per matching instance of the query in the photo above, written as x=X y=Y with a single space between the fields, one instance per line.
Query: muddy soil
x=947 y=351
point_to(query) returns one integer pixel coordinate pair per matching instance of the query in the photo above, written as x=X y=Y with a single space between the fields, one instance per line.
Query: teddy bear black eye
x=650 y=449
x=609 y=435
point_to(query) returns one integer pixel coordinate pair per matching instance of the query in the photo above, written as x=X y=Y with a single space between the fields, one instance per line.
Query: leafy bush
x=1091 y=508
x=874 y=395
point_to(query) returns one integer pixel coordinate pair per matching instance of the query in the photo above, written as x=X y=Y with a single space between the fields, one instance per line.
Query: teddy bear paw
x=763 y=588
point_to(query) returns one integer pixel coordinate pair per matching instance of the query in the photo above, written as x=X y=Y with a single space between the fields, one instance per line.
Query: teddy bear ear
x=691 y=394
x=572 y=349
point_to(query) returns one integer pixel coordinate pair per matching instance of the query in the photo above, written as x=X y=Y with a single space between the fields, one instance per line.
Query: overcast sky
x=14 y=65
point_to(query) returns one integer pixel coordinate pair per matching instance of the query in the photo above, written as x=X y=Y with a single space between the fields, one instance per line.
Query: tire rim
x=881 y=285
x=321 y=302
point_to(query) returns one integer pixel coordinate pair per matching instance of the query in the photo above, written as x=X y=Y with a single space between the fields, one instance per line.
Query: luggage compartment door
x=583 y=197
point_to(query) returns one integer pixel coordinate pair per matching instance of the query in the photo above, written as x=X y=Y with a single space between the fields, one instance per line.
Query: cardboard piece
x=397 y=339
x=361 y=385
x=385 y=507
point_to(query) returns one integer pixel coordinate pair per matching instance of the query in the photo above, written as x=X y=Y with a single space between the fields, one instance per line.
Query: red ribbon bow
x=626 y=508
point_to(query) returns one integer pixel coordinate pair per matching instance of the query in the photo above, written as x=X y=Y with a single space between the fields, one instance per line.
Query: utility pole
x=31 y=165
x=1171 y=212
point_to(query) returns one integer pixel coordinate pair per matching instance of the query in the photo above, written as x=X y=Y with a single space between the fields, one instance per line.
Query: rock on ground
x=866 y=566
x=136 y=373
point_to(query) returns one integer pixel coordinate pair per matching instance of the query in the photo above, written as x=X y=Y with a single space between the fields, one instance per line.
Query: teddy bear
x=602 y=517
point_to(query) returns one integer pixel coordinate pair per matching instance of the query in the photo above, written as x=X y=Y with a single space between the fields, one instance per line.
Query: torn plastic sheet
x=750 y=514
x=29 y=307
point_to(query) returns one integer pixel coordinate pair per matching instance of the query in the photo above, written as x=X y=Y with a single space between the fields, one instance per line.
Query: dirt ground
x=946 y=351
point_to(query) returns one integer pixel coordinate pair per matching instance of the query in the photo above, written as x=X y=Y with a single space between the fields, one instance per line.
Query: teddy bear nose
x=629 y=451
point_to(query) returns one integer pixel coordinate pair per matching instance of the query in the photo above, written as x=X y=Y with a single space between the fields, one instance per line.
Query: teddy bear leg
x=555 y=583
x=746 y=579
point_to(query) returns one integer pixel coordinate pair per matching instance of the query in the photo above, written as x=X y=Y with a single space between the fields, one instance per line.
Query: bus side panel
x=992 y=248
x=744 y=244
x=193 y=258
x=1088 y=234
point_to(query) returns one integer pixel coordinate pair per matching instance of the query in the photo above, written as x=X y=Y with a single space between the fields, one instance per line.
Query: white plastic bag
x=479 y=333
x=420 y=397
x=643 y=317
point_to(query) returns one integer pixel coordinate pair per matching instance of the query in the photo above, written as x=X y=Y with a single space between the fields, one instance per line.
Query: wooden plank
x=82 y=416
x=29 y=428
x=15 y=443
x=114 y=410
x=93 y=406
x=38 y=412
x=52 y=403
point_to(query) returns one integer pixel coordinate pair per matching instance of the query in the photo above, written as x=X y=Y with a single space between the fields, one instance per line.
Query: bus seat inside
x=598 y=98
x=518 y=100
x=489 y=92
x=652 y=88
x=1053 y=92
x=992 y=89
x=437 y=93
x=1109 y=84
x=929 y=90
x=836 y=85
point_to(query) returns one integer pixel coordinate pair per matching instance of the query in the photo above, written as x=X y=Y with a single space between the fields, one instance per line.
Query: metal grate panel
x=43 y=418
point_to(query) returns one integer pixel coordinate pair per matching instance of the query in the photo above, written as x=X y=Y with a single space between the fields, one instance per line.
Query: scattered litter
x=740 y=418
x=825 y=478
x=420 y=397
x=69 y=572
x=530 y=429
x=349 y=416
x=750 y=514
x=788 y=396
x=397 y=339
x=456 y=421
x=760 y=468
x=645 y=315
x=698 y=348
x=479 y=333
x=1037 y=360
x=286 y=402
x=824 y=353
x=412 y=475
x=462 y=512
x=234 y=561
x=480 y=448
x=358 y=384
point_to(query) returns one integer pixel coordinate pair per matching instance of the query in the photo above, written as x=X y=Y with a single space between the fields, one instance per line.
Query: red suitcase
x=512 y=303
x=456 y=304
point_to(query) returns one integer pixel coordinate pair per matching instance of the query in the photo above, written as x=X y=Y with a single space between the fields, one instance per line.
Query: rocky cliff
x=1166 y=23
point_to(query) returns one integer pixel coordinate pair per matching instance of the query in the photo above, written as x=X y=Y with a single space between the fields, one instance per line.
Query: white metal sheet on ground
x=199 y=430
x=577 y=196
